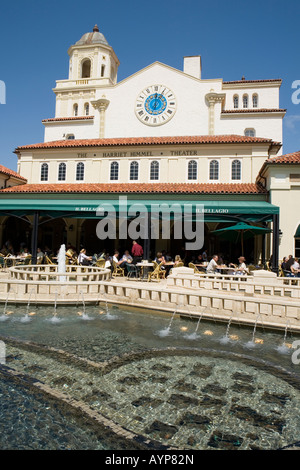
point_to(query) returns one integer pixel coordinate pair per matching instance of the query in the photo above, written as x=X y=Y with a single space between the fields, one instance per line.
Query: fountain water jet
x=61 y=261
x=83 y=315
x=108 y=315
x=166 y=331
x=225 y=339
x=5 y=314
x=54 y=318
x=283 y=349
x=251 y=344
x=194 y=335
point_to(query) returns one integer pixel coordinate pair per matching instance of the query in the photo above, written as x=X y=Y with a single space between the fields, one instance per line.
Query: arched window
x=235 y=101
x=44 y=172
x=134 y=171
x=245 y=101
x=114 y=171
x=154 y=170
x=80 y=171
x=86 y=109
x=192 y=170
x=255 y=100
x=236 y=168
x=102 y=70
x=86 y=69
x=214 y=170
x=249 y=132
x=62 y=168
x=75 y=109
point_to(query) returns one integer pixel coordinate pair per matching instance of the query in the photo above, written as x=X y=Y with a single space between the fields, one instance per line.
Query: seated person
x=116 y=257
x=167 y=257
x=213 y=265
x=126 y=258
x=4 y=251
x=178 y=260
x=295 y=268
x=199 y=259
x=241 y=268
x=25 y=253
x=83 y=258
x=39 y=256
x=160 y=259
x=108 y=263
x=284 y=262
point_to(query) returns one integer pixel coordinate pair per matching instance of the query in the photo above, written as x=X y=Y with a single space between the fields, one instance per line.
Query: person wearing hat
x=241 y=268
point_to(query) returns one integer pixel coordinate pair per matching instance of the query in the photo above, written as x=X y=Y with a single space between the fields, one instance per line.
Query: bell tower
x=92 y=57
x=93 y=65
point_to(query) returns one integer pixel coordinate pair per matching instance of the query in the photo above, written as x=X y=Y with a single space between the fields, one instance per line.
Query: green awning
x=297 y=234
x=213 y=210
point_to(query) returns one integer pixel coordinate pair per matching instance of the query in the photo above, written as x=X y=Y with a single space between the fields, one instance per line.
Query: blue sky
x=258 y=39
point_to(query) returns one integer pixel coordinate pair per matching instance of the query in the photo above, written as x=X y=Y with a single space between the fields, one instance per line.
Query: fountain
x=194 y=335
x=161 y=391
x=26 y=318
x=284 y=349
x=166 y=331
x=5 y=314
x=61 y=261
x=55 y=318
x=251 y=344
x=82 y=314
x=225 y=339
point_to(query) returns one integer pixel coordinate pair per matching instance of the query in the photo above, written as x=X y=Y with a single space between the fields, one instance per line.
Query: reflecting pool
x=179 y=382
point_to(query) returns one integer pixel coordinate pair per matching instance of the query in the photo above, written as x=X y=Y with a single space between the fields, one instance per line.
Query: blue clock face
x=155 y=105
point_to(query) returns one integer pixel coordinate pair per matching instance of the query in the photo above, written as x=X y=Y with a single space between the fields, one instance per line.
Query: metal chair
x=132 y=270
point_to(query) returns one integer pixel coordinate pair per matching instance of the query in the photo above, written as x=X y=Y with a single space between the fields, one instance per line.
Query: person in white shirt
x=213 y=265
x=83 y=258
x=116 y=257
x=241 y=268
x=295 y=268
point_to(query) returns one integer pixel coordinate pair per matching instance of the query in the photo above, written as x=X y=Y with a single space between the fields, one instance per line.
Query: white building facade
x=160 y=131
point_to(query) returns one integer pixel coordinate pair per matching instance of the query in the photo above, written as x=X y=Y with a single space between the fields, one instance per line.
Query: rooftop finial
x=95 y=29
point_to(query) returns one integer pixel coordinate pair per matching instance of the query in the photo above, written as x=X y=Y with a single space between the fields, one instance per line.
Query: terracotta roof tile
x=254 y=110
x=292 y=158
x=130 y=141
x=8 y=172
x=70 y=118
x=255 y=81
x=140 y=188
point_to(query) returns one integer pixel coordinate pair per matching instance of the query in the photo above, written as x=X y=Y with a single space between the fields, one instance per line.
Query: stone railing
x=44 y=281
x=49 y=272
x=259 y=283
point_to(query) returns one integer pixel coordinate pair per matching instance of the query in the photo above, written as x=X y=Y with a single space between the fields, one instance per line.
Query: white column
x=212 y=98
x=101 y=105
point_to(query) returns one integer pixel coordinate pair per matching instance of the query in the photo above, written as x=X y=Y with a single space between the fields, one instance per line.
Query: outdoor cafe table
x=145 y=269
x=14 y=259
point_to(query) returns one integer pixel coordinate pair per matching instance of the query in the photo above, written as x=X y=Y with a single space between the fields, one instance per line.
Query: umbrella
x=240 y=232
